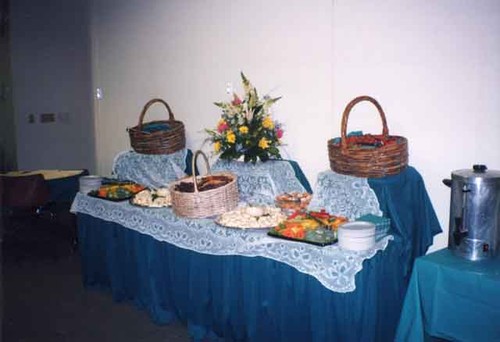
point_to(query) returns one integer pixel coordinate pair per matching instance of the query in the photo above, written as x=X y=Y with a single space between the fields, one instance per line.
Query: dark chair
x=28 y=216
x=24 y=194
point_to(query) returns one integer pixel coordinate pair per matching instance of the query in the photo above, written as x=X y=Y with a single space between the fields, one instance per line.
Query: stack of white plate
x=356 y=236
x=89 y=183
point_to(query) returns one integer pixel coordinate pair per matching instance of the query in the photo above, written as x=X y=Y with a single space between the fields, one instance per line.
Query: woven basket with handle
x=206 y=203
x=163 y=141
x=350 y=159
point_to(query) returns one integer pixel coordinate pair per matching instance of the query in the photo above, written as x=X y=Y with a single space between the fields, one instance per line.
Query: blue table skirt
x=403 y=198
x=240 y=298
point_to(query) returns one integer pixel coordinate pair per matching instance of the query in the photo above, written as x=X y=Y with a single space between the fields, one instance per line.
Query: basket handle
x=149 y=104
x=193 y=165
x=347 y=111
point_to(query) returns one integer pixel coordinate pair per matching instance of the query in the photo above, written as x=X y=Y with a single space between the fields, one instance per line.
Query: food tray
x=124 y=195
x=131 y=201
x=273 y=233
x=314 y=227
x=93 y=193
x=153 y=195
x=258 y=217
x=240 y=228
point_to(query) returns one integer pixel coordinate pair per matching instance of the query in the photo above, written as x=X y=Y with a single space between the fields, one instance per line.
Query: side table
x=452 y=298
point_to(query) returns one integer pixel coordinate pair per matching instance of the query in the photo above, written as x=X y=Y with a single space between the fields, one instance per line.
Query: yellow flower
x=268 y=123
x=217 y=146
x=263 y=143
x=230 y=137
x=243 y=129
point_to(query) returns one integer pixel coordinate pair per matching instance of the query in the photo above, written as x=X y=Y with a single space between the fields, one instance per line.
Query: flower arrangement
x=246 y=127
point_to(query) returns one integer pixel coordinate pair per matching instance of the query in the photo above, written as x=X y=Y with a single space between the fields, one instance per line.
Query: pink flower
x=222 y=126
x=236 y=100
x=279 y=133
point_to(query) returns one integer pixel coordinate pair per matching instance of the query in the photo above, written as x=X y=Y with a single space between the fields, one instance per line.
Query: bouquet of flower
x=246 y=127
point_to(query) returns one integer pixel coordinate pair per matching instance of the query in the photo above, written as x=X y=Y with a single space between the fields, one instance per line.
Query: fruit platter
x=315 y=227
x=117 y=191
x=152 y=198
x=251 y=217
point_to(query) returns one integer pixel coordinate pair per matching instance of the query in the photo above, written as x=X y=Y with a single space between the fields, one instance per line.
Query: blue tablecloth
x=240 y=298
x=404 y=199
x=259 y=299
x=452 y=298
x=63 y=190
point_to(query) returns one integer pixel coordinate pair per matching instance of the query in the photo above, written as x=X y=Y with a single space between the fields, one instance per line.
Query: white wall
x=433 y=65
x=50 y=54
x=186 y=51
x=435 y=68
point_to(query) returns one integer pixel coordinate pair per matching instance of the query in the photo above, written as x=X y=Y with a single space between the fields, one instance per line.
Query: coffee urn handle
x=447 y=182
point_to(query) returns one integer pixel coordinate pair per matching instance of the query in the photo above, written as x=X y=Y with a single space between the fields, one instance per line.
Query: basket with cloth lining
x=367 y=155
x=157 y=137
x=204 y=196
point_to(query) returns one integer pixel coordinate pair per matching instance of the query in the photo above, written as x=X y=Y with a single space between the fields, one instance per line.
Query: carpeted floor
x=44 y=299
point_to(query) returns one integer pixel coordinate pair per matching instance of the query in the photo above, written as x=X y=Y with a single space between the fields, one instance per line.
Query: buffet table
x=452 y=298
x=244 y=285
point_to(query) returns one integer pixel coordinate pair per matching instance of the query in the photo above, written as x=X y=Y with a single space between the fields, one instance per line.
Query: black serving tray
x=94 y=194
x=305 y=240
x=128 y=196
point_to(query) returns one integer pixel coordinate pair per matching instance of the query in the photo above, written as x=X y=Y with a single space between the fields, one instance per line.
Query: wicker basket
x=200 y=204
x=388 y=159
x=164 y=141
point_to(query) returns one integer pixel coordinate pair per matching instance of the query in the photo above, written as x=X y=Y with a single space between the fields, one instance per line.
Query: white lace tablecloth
x=333 y=267
x=344 y=195
x=260 y=183
x=151 y=170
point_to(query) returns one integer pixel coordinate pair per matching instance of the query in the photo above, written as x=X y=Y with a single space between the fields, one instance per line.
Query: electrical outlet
x=47 y=117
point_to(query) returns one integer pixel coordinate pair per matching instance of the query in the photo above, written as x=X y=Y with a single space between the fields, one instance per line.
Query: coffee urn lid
x=478 y=171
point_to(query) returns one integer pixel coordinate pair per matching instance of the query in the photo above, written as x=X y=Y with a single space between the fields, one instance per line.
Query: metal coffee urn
x=474 y=231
